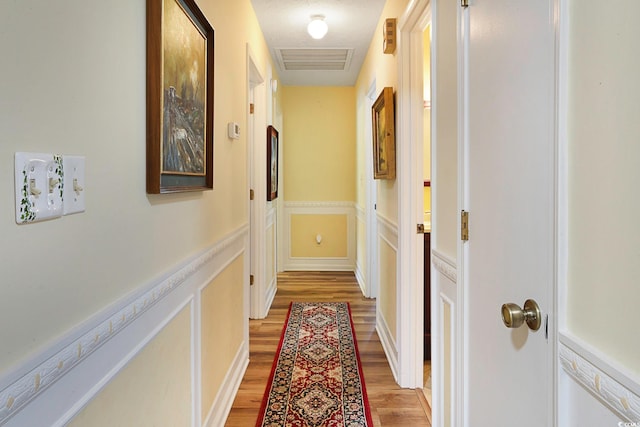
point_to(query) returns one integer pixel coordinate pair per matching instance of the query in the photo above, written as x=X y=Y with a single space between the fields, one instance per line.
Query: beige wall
x=319 y=158
x=331 y=227
x=604 y=172
x=74 y=76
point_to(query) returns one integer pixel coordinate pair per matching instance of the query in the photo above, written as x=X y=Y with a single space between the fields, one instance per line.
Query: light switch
x=73 y=184
x=38 y=184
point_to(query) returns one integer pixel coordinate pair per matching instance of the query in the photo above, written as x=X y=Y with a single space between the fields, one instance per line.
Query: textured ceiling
x=333 y=61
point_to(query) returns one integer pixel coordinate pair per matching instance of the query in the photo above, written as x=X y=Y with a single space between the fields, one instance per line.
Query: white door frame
x=372 y=279
x=410 y=178
x=256 y=208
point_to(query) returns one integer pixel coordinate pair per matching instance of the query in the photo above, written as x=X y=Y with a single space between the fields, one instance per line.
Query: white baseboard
x=360 y=279
x=271 y=294
x=53 y=386
x=388 y=344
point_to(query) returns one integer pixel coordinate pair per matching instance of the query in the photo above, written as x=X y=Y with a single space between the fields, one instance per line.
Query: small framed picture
x=272 y=163
x=384 y=140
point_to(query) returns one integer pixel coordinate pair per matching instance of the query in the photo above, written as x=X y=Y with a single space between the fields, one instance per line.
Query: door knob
x=513 y=316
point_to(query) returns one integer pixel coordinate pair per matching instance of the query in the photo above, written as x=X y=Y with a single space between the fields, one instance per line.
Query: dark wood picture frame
x=179 y=97
x=384 y=141
x=272 y=163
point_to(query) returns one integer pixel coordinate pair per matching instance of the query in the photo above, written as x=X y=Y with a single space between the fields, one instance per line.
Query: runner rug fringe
x=316 y=379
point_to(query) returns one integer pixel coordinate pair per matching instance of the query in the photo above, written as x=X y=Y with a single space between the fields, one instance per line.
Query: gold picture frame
x=180 y=54
x=384 y=141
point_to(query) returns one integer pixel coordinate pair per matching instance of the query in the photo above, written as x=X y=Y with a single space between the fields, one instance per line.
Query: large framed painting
x=272 y=163
x=180 y=52
x=384 y=139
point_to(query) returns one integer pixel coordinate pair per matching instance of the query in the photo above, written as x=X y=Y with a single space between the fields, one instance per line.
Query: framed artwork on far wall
x=180 y=52
x=384 y=139
x=272 y=163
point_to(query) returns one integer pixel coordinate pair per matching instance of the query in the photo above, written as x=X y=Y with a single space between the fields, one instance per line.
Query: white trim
x=613 y=385
x=445 y=265
x=257 y=208
x=303 y=205
x=346 y=263
x=410 y=204
x=371 y=285
x=66 y=373
x=386 y=226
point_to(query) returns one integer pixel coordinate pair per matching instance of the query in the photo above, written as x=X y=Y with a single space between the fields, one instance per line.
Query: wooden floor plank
x=390 y=405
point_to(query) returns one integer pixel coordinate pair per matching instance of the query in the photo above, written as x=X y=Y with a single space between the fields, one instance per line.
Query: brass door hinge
x=464 y=3
x=464 y=225
x=251 y=108
x=251 y=280
x=420 y=229
x=252 y=194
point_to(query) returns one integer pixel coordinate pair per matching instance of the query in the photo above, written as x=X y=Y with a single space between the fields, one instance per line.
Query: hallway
x=390 y=405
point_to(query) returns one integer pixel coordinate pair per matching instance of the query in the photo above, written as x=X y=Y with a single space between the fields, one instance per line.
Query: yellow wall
x=383 y=68
x=221 y=329
x=604 y=172
x=320 y=150
x=154 y=389
x=332 y=228
x=319 y=159
x=388 y=293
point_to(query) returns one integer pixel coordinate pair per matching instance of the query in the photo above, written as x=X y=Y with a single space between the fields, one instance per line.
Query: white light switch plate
x=38 y=184
x=73 y=184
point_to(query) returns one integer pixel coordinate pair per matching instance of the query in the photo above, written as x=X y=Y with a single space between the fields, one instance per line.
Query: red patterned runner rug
x=316 y=379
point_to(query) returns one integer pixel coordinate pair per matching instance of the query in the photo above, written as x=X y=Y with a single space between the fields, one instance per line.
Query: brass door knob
x=513 y=316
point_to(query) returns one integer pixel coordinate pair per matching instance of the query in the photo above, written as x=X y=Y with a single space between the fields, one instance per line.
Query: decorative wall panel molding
x=347 y=263
x=62 y=357
x=444 y=265
x=388 y=230
x=613 y=387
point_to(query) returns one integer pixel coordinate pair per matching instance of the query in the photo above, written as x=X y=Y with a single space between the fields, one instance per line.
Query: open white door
x=508 y=187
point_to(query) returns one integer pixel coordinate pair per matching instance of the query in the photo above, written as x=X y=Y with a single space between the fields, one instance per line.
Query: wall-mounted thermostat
x=233 y=130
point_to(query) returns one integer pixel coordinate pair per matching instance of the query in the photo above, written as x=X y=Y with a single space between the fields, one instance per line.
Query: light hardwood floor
x=390 y=405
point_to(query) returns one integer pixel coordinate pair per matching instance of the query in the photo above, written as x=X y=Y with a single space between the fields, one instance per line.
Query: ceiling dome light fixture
x=317 y=28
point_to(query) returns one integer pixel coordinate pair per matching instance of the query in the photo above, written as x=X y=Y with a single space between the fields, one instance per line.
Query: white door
x=508 y=188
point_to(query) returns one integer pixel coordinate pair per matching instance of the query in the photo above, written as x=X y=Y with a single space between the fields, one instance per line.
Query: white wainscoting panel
x=446 y=356
x=387 y=232
x=360 y=276
x=610 y=385
x=272 y=250
x=52 y=387
x=321 y=263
